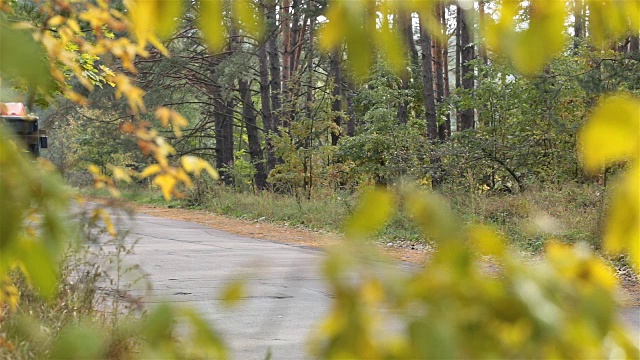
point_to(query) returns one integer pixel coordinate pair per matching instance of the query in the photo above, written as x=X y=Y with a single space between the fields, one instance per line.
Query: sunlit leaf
x=166 y=183
x=374 y=209
x=247 y=17
x=169 y=12
x=9 y=295
x=233 y=292
x=120 y=174
x=211 y=23
x=195 y=165
x=487 y=241
x=622 y=230
x=80 y=341
x=612 y=133
x=23 y=59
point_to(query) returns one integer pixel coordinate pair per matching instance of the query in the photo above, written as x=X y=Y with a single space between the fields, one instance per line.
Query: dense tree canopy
x=297 y=96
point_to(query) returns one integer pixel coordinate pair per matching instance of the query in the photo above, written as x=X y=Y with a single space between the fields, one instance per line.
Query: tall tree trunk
x=251 y=123
x=223 y=127
x=467 y=118
x=285 y=23
x=635 y=43
x=458 y=60
x=444 y=132
x=336 y=106
x=265 y=96
x=351 y=111
x=578 y=25
x=275 y=82
x=427 y=82
x=406 y=28
x=482 y=22
x=308 y=176
x=439 y=73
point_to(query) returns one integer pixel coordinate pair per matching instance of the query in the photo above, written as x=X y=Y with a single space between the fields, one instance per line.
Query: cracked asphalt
x=191 y=264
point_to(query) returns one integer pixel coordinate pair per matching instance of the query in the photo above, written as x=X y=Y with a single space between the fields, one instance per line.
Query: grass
x=569 y=212
x=87 y=294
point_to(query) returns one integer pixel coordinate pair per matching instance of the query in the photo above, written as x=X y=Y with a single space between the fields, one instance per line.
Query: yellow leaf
x=211 y=23
x=487 y=241
x=169 y=12
x=94 y=170
x=374 y=210
x=163 y=114
x=195 y=165
x=246 y=17
x=622 y=230
x=120 y=174
x=9 y=295
x=612 y=133
x=166 y=183
x=56 y=20
x=150 y=170
x=234 y=292
x=109 y=224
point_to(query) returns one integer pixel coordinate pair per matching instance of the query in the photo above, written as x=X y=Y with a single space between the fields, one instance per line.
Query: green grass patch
x=569 y=212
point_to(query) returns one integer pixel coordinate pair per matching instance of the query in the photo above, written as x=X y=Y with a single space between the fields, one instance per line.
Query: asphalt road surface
x=190 y=263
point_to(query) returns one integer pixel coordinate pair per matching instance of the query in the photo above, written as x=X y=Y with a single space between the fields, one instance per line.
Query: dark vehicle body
x=26 y=129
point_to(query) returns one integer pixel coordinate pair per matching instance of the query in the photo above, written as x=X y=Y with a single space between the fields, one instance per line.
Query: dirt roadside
x=630 y=288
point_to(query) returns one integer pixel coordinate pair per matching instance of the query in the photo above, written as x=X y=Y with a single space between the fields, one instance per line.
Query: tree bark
x=275 y=82
x=406 y=28
x=351 y=111
x=467 y=118
x=444 y=132
x=439 y=73
x=336 y=106
x=253 y=137
x=578 y=25
x=427 y=82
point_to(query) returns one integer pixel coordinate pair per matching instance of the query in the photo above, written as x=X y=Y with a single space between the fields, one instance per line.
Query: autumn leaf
x=166 y=183
x=195 y=165
x=612 y=133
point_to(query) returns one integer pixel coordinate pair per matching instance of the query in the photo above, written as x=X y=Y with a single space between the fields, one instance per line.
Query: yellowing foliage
x=463 y=304
x=612 y=135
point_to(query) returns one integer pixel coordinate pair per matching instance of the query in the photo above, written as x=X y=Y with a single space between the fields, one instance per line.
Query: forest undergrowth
x=569 y=212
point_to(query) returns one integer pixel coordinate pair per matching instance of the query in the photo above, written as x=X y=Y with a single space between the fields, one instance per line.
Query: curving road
x=190 y=263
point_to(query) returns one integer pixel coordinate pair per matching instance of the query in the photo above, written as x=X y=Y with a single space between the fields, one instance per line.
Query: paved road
x=191 y=263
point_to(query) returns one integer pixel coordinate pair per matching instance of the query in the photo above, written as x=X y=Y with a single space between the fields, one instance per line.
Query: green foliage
x=33 y=226
x=472 y=300
x=23 y=62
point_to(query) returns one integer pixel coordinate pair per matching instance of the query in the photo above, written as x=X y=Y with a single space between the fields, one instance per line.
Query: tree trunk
x=444 y=132
x=275 y=82
x=458 y=60
x=255 y=149
x=427 y=82
x=265 y=100
x=308 y=176
x=336 y=106
x=223 y=118
x=351 y=111
x=635 y=44
x=406 y=27
x=578 y=25
x=482 y=22
x=467 y=118
x=439 y=63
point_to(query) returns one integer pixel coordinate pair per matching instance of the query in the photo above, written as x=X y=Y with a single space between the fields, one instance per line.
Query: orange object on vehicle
x=13 y=109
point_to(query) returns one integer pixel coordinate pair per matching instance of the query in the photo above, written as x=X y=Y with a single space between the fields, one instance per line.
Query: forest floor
x=404 y=251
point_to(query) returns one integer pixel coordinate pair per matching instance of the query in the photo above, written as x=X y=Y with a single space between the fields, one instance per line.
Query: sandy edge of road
x=630 y=289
